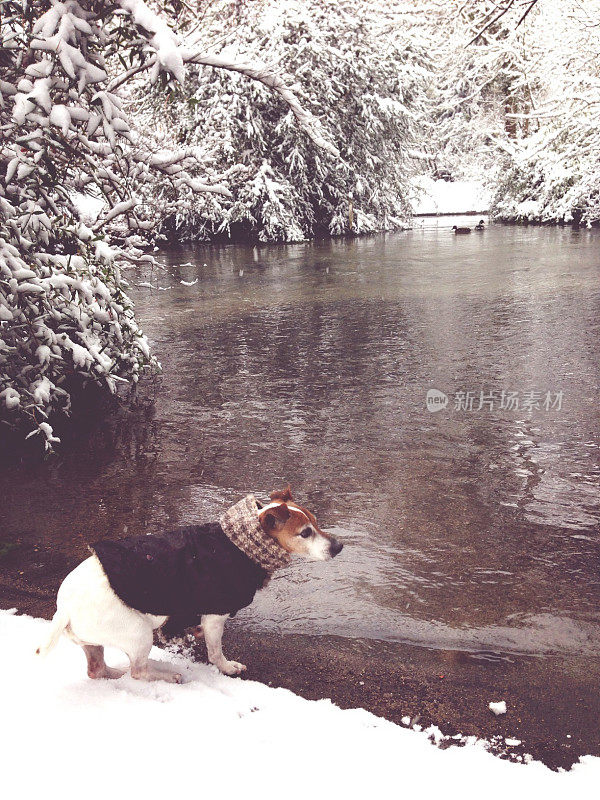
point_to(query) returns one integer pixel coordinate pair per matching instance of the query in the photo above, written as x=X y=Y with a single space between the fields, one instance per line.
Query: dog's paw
x=171 y=677
x=112 y=673
x=231 y=667
x=164 y=671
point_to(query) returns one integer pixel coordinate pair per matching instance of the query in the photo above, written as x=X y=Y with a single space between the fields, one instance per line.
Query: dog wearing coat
x=196 y=576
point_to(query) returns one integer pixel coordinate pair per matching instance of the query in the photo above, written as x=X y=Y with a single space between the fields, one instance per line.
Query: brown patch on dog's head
x=274 y=517
x=282 y=494
x=295 y=528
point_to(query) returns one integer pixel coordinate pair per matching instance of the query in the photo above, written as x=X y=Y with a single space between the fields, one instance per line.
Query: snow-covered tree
x=65 y=317
x=551 y=173
x=515 y=102
x=362 y=77
x=479 y=78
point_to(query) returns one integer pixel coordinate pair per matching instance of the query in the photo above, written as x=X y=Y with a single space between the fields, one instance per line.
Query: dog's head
x=296 y=529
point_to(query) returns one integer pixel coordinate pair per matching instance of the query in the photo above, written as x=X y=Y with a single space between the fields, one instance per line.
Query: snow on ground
x=65 y=736
x=448 y=197
x=498 y=708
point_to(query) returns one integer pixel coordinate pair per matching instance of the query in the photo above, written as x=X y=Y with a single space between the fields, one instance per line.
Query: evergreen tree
x=365 y=83
x=65 y=317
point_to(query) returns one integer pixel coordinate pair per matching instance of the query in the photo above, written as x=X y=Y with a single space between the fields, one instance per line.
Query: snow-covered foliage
x=552 y=173
x=472 y=84
x=62 y=308
x=363 y=77
x=516 y=104
x=477 y=84
x=65 y=319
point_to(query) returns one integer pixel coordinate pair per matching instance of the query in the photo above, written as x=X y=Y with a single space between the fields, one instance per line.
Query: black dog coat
x=194 y=570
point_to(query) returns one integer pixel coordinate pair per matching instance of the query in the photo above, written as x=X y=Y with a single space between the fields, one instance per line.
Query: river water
x=474 y=527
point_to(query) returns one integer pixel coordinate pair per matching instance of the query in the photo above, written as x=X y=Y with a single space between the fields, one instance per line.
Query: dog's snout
x=335 y=547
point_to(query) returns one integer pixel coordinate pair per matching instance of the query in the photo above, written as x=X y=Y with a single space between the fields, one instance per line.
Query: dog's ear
x=274 y=518
x=282 y=494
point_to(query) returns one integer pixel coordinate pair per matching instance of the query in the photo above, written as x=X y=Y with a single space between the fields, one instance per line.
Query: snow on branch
x=502 y=10
x=172 y=57
x=160 y=36
x=259 y=72
x=286 y=188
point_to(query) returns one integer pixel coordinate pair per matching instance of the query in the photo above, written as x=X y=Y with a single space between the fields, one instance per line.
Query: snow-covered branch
x=66 y=131
x=251 y=121
x=259 y=72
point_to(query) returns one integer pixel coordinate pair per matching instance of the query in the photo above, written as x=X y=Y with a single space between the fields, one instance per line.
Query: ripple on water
x=309 y=363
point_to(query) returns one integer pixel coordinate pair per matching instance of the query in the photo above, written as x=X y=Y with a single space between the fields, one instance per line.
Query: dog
x=193 y=577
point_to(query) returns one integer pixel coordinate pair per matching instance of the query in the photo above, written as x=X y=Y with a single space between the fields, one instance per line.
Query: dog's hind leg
x=213 y=626
x=96 y=666
x=142 y=668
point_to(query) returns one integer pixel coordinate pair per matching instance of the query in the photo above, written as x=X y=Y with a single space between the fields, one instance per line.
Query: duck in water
x=460 y=230
x=480 y=225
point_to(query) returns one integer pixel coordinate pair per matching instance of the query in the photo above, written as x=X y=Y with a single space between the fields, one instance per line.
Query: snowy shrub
x=475 y=83
x=553 y=173
x=363 y=82
x=65 y=318
x=552 y=179
x=521 y=106
x=551 y=169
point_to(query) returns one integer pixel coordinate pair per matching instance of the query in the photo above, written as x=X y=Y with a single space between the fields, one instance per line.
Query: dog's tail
x=59 y=622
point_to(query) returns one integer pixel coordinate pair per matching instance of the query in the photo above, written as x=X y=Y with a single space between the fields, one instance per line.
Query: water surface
x=473 y=529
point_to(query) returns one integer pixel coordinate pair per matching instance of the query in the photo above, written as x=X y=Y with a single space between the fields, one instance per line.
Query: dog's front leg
x=213 y=625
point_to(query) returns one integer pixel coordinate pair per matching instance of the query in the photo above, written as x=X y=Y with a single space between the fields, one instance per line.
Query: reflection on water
x=474 y=529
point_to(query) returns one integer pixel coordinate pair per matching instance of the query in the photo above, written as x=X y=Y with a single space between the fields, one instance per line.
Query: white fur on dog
x=90 y=614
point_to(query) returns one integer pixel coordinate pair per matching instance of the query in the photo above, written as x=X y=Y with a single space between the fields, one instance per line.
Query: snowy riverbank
x=429 y=196
x=65 y=733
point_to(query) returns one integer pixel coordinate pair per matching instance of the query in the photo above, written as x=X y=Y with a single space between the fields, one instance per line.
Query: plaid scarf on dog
x=242 y=527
